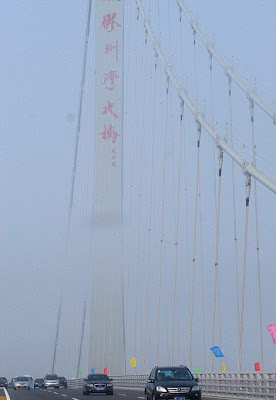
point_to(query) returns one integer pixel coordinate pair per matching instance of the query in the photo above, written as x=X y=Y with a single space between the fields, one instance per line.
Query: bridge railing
x=240 y=386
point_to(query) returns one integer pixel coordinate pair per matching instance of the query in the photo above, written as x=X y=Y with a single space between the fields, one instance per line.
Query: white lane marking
x=64 y=395
x=7 y=394
x=45 y=390
x=141 y=398
x=55 y=392
x=73 y=398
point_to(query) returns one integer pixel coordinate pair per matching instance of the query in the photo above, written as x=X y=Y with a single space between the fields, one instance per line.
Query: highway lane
x=76 y=394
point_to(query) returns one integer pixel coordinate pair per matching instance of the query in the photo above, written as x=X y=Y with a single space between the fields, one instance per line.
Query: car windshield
x=3 y=379
x=98 y=378
x=173 y=374
x=51 y=377
x=61 y=377
x=39 y=380
x=21 y=379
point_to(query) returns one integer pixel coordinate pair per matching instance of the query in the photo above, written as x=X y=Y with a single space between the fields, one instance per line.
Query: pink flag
x=272 y=330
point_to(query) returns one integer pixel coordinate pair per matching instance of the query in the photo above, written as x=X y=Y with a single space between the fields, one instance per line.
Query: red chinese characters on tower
x=109 y=108
x=109 y=133
x=109 y=79
x=109 y=47
x=109 y=22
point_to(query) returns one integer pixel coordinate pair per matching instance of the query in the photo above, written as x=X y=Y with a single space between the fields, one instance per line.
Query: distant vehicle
x=38 y=383
x=21 y=382
x=51 y=380
x=62 y=381
x=10 y=384
x=98 y=383
x=31 y=381
x=3 y=382
x=171 y=383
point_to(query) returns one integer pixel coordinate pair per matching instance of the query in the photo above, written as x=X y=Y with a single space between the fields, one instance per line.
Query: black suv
x=97 y=383
x=172 y=382
x=62 y=381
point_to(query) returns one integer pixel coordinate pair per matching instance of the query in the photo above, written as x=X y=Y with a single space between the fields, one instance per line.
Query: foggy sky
x=42 y=45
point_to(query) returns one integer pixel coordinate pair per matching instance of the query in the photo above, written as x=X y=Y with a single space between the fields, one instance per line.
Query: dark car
x=39 y=383
x=172 y=382
x=97 y=383
x=3 y=382
x=62 y=381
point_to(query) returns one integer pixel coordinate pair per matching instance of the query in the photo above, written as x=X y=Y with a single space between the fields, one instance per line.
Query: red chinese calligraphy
x=109 y=22
x=109 y=79
x=109 y=108
x=110 y=133
x=110 y=47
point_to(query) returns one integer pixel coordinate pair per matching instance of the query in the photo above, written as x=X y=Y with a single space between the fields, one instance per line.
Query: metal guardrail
x=240 y=386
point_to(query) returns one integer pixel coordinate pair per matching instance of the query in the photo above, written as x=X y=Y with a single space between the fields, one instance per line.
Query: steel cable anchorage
x=247 y=168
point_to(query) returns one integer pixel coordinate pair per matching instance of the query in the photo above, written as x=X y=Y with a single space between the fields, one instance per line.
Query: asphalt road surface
x=76 y=394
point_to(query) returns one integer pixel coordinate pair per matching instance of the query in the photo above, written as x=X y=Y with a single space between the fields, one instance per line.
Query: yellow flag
x=223 y=369
x=132 y=362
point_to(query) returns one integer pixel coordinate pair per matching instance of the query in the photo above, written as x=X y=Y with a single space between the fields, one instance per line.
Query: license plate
x=180 y=398
x=100 y=387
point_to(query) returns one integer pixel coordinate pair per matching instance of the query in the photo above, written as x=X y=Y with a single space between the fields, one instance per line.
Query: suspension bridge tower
x=107 y=341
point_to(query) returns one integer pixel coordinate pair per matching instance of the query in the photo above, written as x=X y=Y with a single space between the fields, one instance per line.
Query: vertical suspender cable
x=132 y=168
x=234 y=203
x=247 y=188
x=177 y=230
x=257 y=238
x=82 y=336
x=150 y=213
x=79 y=120
x=163 y=221
x=56 y=339
x=187 y=242
x=212 y=116
x=198 y=128
x=134 y=124
x=140 y=195
x=202 y=281
x=216 y=266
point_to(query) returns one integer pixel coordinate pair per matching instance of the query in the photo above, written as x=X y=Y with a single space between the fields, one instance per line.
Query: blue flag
x=93 y=370
x=217 y=351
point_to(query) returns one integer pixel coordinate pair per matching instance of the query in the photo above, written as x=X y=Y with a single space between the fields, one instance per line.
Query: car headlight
x=195 y=388
x=161 y=389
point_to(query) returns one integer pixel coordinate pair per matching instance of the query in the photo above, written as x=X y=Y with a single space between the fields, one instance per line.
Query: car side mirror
x=196 y=379
x=111 y=379
x=150 y=380
x=85 y=379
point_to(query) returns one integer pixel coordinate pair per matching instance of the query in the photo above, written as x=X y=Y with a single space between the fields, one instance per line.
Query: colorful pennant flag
x=217 y=351
x=79 y=371
x=197 y=370
x=105 y=370
x=93 y=370
x=132 y=362
x=223 y=368
x=257 y=367
x=272 y=330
